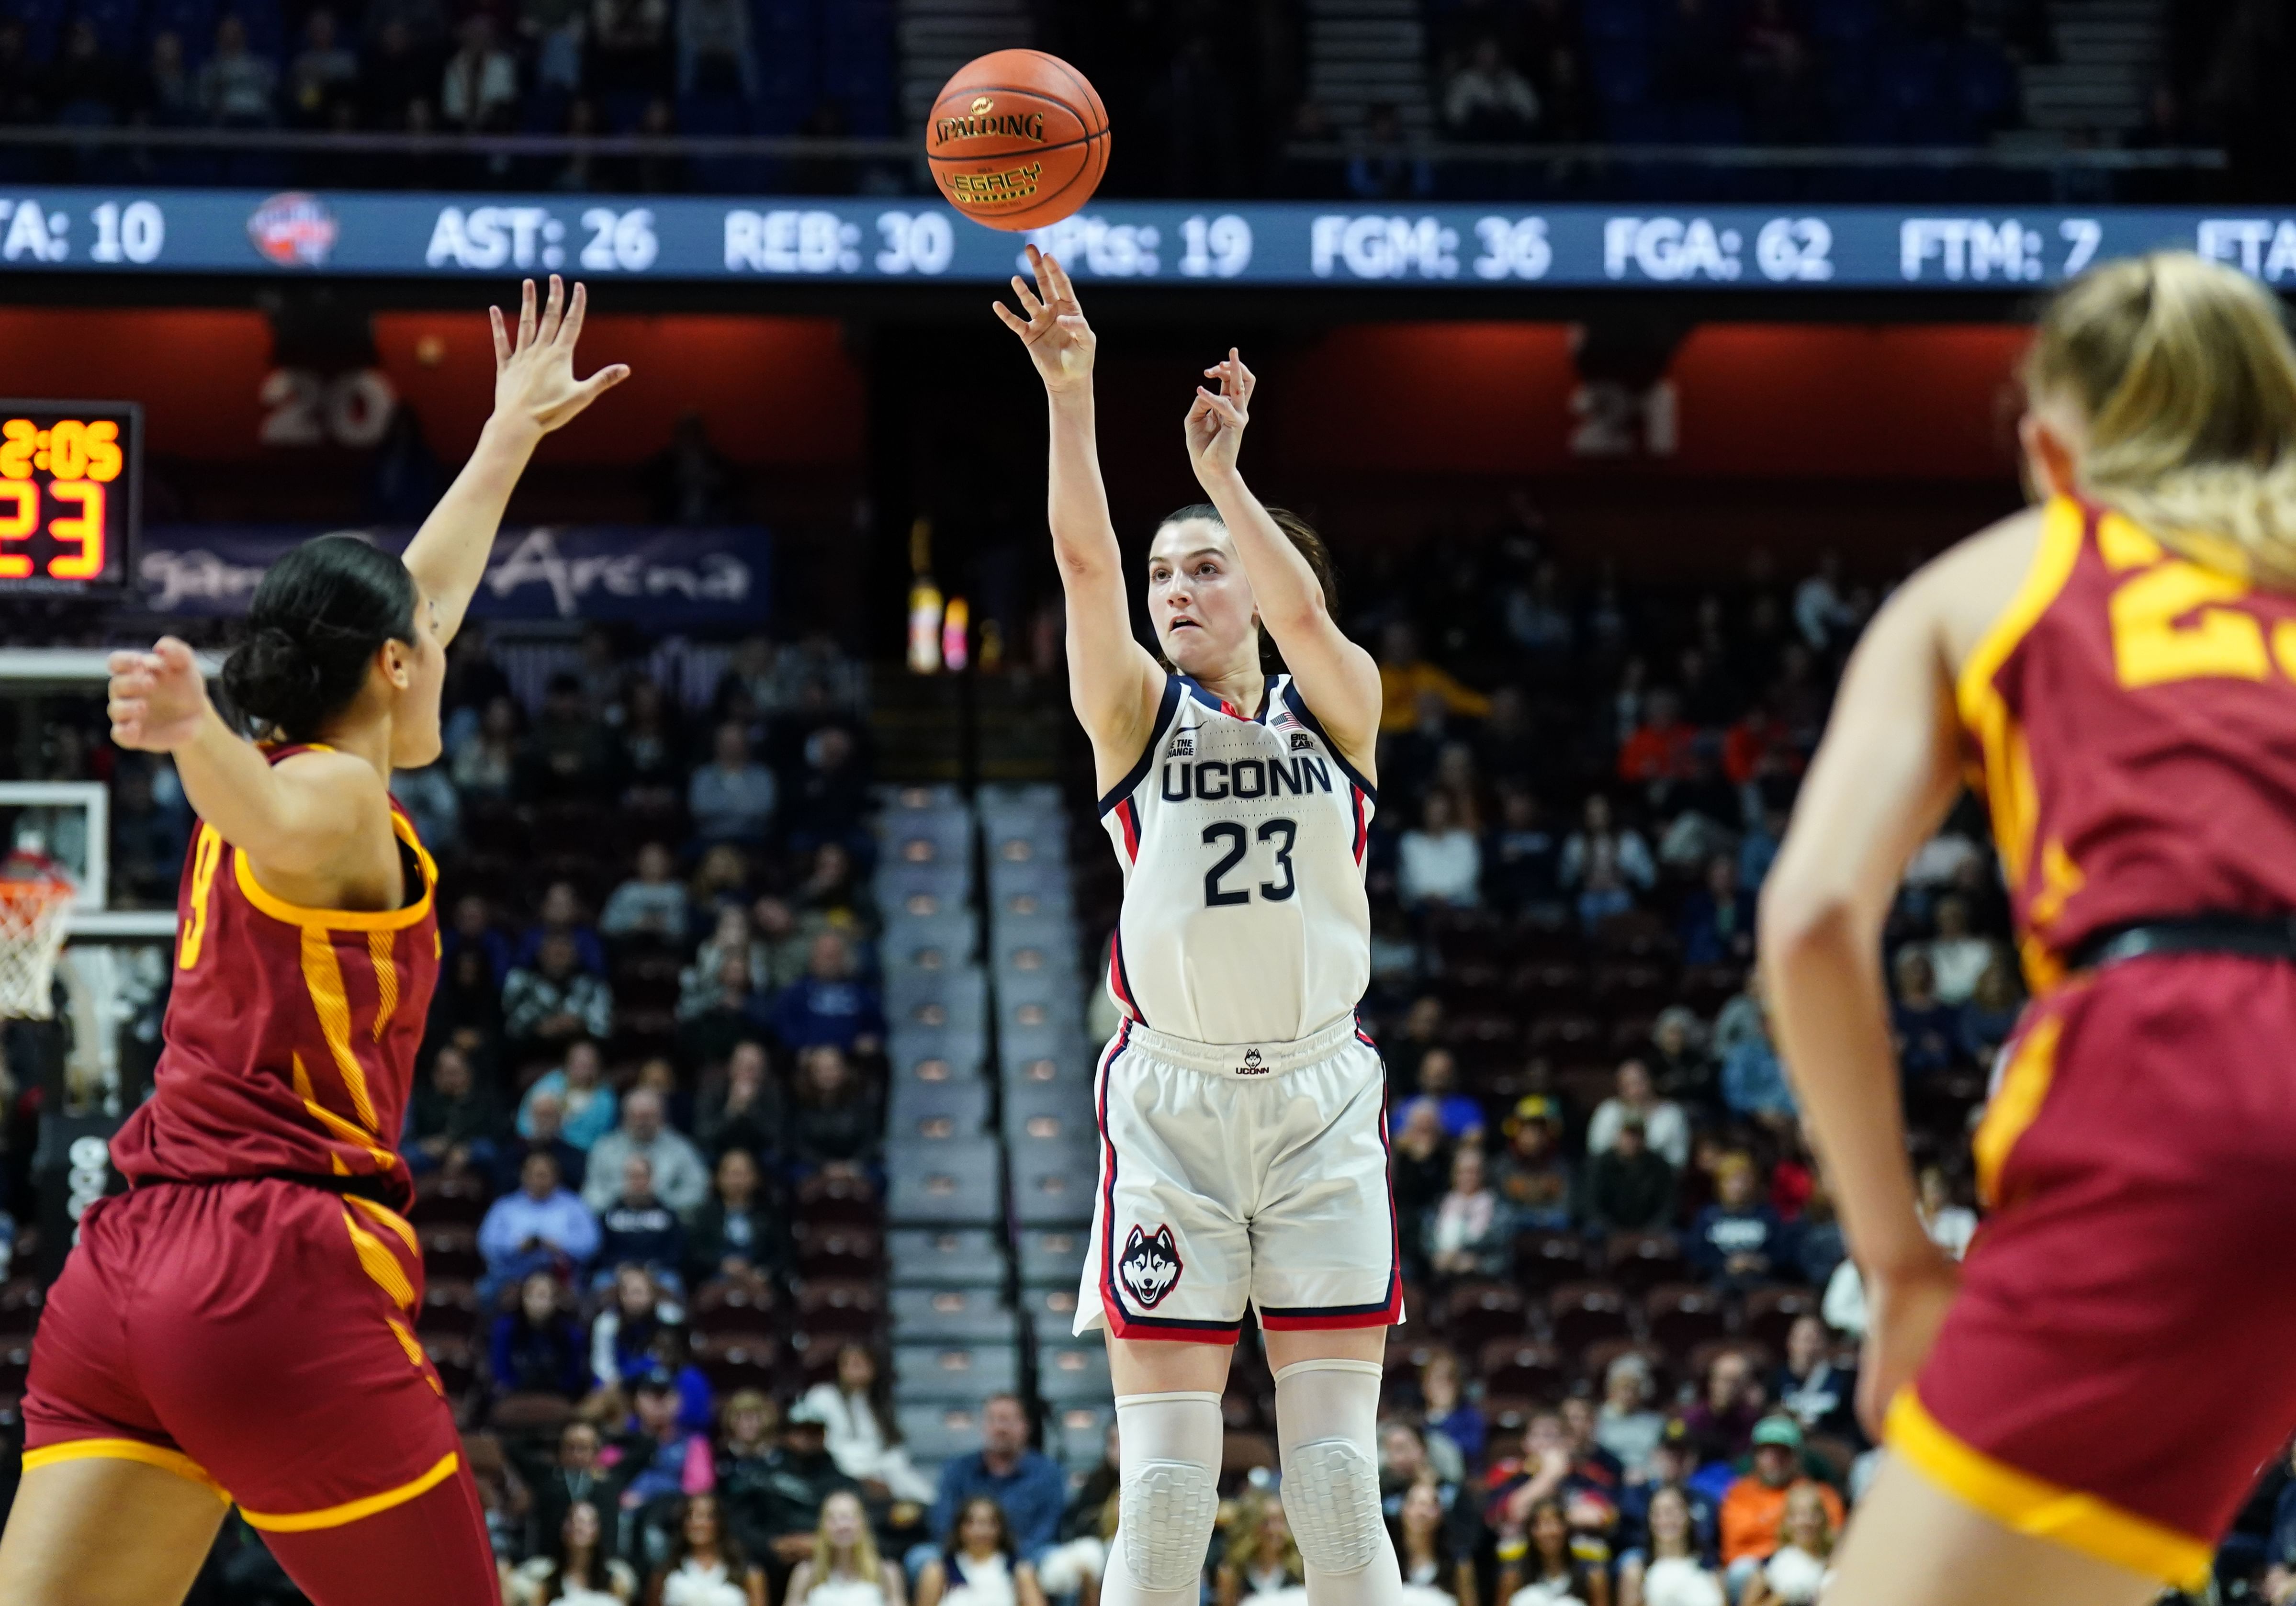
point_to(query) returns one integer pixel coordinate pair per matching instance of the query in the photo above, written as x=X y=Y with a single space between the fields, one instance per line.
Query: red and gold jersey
x=2134 y=715
x=291 y=1035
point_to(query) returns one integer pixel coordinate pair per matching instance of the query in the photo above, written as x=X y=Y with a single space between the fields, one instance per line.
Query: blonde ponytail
x=2188 y=375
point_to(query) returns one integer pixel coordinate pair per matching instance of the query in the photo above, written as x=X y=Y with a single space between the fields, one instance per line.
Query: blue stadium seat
x=953 y=1184
x=945 y=1257
x=1984 y=87
x=935 y=1433
x=928 y=1110
x=1606 y=20
x=1052 y=1258
x=966 y=1373
x=118 y=24
x=935 y=1315
x=1050 y=1308
x=1073 y=1374
x=42 y=21
x=1052 y=1183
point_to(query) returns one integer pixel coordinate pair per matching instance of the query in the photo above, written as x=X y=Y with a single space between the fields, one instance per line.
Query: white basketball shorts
x=1240 y=1174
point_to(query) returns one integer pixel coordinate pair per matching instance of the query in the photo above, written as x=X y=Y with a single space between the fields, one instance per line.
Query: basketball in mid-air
x=1018 y=139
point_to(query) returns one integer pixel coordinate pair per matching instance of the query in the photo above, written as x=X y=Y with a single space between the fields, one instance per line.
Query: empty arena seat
x=1682 y=1315
x=954 y=1183
x=1052 y=1257
x=1476 y=1313
x=1052 y=1183
x=1544 y=1257
x=836 y=1197
x=736 y=1361
x=450 y=1308
x=1058 y=1054
x=1641 y=1261
x=443 y=1201
x=735 y=1305
x=1521 y=1367
x=968 y=1374
x=973 y=1315
x=945 y=1257
x=1050 y=1310
x=936 y=1110
x=935 y=942
x=1073 y=1372
x=1770 y=1312
x=1543 y=986
x=20 y=1298
x=456 y=1359
x=938 y=1432
x=1565 y=1033
x=452 y=1252
x=1580 y=1313
x=936 y=1056
x=840 y=1309
x=963 y=991
x=1078 y=1434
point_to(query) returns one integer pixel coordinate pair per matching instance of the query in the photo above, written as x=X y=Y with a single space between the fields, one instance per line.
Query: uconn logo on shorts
x=1151 y=1267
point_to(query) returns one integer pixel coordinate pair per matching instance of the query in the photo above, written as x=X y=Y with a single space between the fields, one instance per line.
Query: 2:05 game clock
x=70 y=483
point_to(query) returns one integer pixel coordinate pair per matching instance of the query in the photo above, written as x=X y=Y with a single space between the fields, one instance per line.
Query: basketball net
x=34 y=894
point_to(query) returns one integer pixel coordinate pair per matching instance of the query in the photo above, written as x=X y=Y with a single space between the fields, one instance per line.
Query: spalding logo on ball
x=1018 y=139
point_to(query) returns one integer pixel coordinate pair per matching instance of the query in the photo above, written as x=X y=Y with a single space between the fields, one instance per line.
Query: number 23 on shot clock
x=69 y=486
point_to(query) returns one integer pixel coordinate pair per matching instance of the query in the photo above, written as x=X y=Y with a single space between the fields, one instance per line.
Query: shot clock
x=70 y=484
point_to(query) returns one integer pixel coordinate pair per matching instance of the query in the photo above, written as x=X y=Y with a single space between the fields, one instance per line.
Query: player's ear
x=2052 y=455
x=395 y=659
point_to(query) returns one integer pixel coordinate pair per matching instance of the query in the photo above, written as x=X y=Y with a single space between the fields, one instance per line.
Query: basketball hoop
x=34 y=894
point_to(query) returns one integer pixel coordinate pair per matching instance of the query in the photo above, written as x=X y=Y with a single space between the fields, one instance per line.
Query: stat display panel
x=71 y=495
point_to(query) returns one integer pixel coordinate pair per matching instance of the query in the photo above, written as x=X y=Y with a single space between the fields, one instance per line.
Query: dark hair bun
x=270 y=678
x=317 y=620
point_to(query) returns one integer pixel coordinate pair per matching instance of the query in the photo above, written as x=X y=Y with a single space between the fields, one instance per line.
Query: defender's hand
x=534 y=375
x=1059 y=342
x=1216 y=423
x=157 y=699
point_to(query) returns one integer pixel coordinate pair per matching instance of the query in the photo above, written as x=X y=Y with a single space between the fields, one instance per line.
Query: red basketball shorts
x=2117 y=1368
x=256 y=1336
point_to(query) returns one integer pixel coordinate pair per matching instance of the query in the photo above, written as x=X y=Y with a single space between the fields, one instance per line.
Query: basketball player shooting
x=1243 y=1158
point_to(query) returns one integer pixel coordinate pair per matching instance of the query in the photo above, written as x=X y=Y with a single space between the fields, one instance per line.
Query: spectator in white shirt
x=1664 y=1127
x=856 y=1417
x=653 y=902
x=681 y=1179
x=1957 y=957
x=732 y=797
x=1440 y=863
x=1488 y=99
x=481 y=86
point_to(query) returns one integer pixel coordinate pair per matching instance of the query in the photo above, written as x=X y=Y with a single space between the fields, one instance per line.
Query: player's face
x=415 y=736
x=1200 y=601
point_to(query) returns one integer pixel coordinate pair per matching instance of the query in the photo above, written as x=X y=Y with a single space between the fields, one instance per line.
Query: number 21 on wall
x=19 y=519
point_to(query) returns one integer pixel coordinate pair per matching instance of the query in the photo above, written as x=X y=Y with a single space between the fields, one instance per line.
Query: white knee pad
x=1327 y=1413
x=1168 y=1455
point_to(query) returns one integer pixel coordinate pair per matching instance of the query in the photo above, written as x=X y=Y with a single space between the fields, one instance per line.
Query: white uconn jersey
x=1242 y=839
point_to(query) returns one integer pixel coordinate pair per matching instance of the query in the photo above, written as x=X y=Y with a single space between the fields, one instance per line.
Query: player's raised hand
x=1216 y=423
x=1059 y=342
x=534 y=373
x=156 y=698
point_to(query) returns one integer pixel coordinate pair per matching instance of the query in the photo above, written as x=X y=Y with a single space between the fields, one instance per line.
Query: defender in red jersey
x=2077 y=1414
x=238 y=1327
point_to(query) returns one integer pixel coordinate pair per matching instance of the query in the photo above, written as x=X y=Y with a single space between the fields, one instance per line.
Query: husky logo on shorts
x=1150 y=1267
x=1252 y=1065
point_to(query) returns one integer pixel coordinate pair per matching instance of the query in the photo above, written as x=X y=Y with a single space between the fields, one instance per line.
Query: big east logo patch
x=1151 y=1267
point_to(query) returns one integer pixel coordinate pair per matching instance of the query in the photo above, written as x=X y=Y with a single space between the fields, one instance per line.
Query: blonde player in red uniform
x=2077 y=1414
x=237 y=1327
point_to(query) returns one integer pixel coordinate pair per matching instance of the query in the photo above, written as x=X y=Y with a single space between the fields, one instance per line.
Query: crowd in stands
x=648 y=1129
x=1213 y=99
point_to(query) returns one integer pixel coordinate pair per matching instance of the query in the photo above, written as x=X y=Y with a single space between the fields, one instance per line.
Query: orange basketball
x=1018 y=139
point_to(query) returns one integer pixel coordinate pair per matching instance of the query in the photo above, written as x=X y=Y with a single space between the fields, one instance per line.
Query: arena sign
x=102 y=231
x=672 y=579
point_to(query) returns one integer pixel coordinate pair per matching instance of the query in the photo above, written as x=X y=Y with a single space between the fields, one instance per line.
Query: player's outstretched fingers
x=501 y=337
x=571 y=329
x=553 y=311
x=1029 y=304
x=526 y=314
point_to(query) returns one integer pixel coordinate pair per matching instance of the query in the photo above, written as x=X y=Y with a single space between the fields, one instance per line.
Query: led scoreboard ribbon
x=1399 y=244
x=67 y=495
